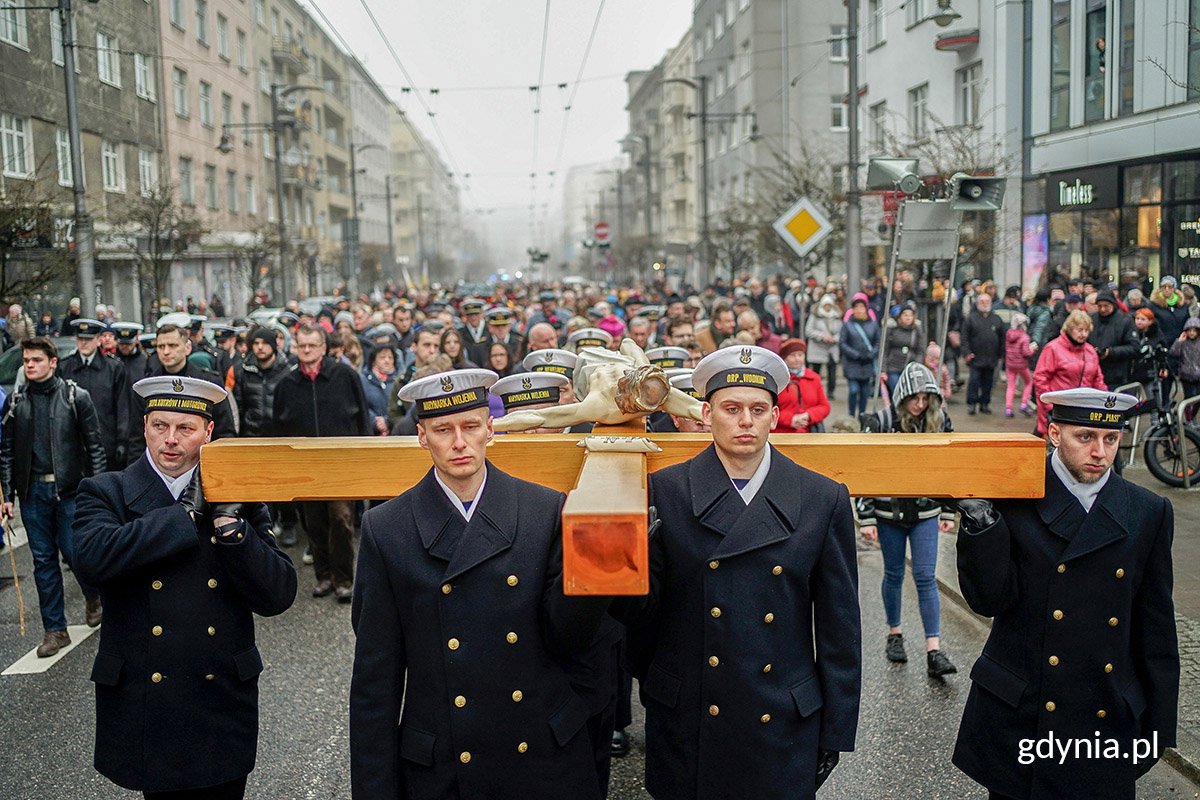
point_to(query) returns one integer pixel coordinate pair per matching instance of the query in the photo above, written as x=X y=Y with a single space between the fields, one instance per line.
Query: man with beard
x=1083 y=644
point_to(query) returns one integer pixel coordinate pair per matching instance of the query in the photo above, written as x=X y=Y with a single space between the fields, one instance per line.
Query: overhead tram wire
x=537 y=116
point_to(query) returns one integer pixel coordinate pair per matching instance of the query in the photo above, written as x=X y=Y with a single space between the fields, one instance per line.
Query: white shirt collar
x=459 y=504
x=1085 y=493
x=757 y=479
x=174 y=485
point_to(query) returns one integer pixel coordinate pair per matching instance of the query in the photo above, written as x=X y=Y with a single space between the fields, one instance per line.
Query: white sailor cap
x=551 y=360
x=179 y=319
x=589 y=337
x=1091 y=408
x=197 y=322
x=499 y=315
x=747 y=365
x=180 y=394
x=449 y=392
x=147 y=339
x=88 y=328
x=653 y=313
x=681 y=379
x=668 y=357
x=471 y=305
x=126 y=331
x=529 y=388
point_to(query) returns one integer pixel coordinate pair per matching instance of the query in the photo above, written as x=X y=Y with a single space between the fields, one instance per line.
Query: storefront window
x=1101 y=257
x=1183 y=179
x=1065 y=244
x=1141 y=234
x=1143 y=184
x=1181 y=230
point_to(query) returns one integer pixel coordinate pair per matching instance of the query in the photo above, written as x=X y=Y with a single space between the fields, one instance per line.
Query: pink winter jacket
x=1064 y=365
x=1016 y=350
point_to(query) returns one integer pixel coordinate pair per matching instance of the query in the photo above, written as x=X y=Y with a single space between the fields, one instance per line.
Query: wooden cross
x=604 y=519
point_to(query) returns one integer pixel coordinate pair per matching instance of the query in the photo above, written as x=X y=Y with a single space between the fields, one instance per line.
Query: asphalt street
x=905 y=735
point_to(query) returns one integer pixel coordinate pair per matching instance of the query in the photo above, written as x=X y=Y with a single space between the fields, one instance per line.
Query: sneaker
x=1008 y=412
x=287 y=537
x=985 y=410
x=620 y=743
x=52 y=642
x=308 y=556
x=323 y=589
x=94 y=614
x=345 y=594
x=938 y=665
x=970 y=409
x=1026 y=410
x=895 y=649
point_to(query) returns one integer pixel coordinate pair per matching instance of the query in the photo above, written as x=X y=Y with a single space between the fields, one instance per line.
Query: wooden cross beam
x=604 y=519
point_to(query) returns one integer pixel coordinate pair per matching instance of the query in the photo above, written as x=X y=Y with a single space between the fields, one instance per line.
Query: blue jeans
x=857 y=395
x=48 y=522
x=922 y=539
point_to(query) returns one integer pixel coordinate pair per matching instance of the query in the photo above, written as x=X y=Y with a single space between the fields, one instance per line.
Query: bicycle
x=1161 y=447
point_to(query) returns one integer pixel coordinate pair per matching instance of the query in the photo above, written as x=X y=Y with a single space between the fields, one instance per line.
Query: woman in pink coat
x=1067 y=362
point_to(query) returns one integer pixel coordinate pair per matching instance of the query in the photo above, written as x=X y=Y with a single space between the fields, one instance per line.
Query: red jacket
x=800 y=395
x=1064 y=365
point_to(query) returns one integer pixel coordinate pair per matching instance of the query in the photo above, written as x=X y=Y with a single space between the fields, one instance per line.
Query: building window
x=1060 y=64
x=187 y=191
x=915 y=11
x=877 y=114
x=720 y=23
x=13 y=28
x=143 y=78
x=270 y=206
x=708 y=37
x=56 y=39
x=202 y=21
x=247 y=139
x=264 y=77
x=918 y=112
x=210 y=186
x=226 y=109
x=837 y=112
x=1095 y=63
x=242 y=57
x=744 y=55
x=876 y=23
x=16 y=146
x=231 y=191
x=721 y=81
x=837 y=42
x=62 y=148
x=112 y=164
x=838 y=180
x=176 y=14
x=147 y=171
x=969 y=81
x=730 y=11
x=266 y=137
x=260 y=12
x=223 y=36
x=251 y=196
x=743 y=5
x=275 y=23
x=206 y=110
x=180 y=86
x=1126 y=64
x=108 y=59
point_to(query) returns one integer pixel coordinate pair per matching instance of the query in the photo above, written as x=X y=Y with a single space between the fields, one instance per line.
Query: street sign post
x=601 y=232
x=803 y=227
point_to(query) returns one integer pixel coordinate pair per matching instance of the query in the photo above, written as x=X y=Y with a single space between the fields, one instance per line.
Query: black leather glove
x=653 y=523
x=826 y=761
x=977 y=515
x=192 y=498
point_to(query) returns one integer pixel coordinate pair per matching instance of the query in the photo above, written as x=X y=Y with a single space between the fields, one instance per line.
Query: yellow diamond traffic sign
x=803 y=226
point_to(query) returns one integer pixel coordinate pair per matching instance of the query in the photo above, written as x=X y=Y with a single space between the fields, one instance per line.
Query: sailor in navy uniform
x=106 y=381
x=474 y=326
x=669 y=358
x=499 y=331
x=588 y=337
x=748 y=647
x=561 y=362
x=1083 y=641
x=129 y=349
x=177 y=669
x=463 y=627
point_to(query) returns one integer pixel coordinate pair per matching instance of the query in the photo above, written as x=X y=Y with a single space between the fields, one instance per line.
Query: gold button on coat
x=713 y=710
x=464 y=757
x=1054 y=661
x=777 y=570
x=713 y=661
x=1102 y=713
x=212 y=631
x=1050 y=705
x=513 y=580
x=765 y=718
x=518 y=696
x=156 y=585
x=522 y=747
x=213 y=539
x=156 y=630
x=452 y=644
x=769 y=618
x=156 y=677
x=511 y=638
x=714 y=564
x=1057 y=614
x=716 y=612
x=1120 y=572
x=212 y=583
x=1062 y=568
x=446 y=588
x=210 y=677
x=460 y=701
x=767 y=668
x=1112 y=622
x=1108 y=667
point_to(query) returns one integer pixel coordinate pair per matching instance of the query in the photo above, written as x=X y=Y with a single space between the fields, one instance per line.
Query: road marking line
x=30 y=664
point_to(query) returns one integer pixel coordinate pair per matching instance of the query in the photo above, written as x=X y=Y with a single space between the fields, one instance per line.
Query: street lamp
x=945 y=15
x=352 y=257
x=700 y=86
x=644 y=139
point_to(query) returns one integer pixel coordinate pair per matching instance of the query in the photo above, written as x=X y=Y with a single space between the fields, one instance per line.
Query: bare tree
x=33 y=254
x=253 y=256
x=736 y=237
x=161 y=230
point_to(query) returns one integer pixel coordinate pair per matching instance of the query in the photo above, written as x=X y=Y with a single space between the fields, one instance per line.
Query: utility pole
x=387 y=189
x=705 y=239
x=649 y=193
x=85 y=251
x=420 y=233
x=352 y=264
x=280 y=200
x=853 y=196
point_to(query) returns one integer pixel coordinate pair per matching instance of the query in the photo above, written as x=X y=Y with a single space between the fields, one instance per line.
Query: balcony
x=290 y=53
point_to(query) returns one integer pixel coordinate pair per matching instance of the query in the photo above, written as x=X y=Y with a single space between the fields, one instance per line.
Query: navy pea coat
x=177 y=670
x=1083 y=641
x=107 y=383
x=748 y=648
x=459 y=688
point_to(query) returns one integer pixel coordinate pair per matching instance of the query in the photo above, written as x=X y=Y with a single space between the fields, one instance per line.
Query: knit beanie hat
x=265 y=335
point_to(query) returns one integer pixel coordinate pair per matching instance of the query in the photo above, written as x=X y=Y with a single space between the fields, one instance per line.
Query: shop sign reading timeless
x=1083 y=189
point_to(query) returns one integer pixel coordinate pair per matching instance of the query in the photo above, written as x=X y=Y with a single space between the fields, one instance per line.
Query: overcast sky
x=463 y=47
